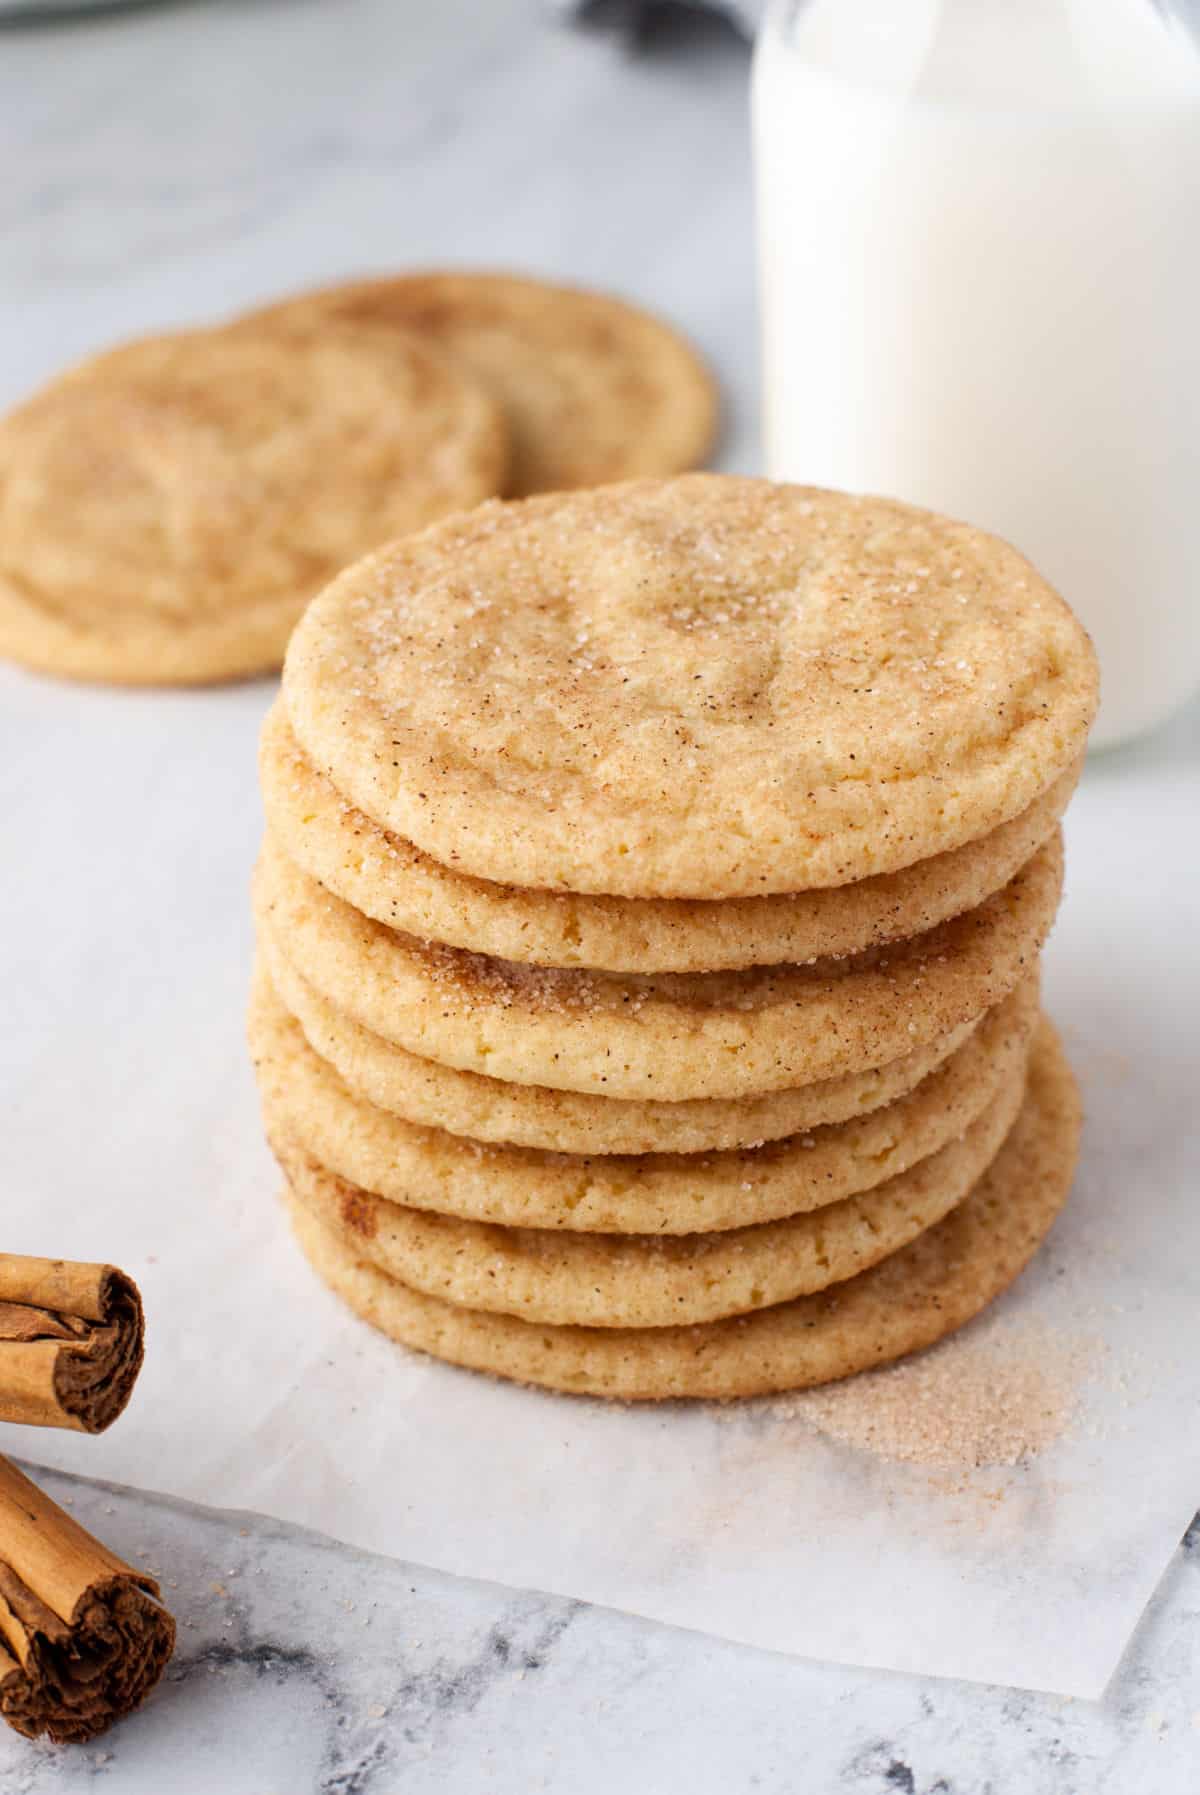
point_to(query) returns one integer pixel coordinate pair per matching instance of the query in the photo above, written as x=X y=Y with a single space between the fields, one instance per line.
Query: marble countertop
x=305 y=1668
x=164 y=165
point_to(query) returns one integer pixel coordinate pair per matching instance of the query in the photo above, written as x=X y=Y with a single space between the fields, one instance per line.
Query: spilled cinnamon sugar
x=993 y=1397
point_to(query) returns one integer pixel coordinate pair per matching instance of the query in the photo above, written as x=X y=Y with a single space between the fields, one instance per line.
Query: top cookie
x=700 y=688
x=592 y=389
x=168 y=508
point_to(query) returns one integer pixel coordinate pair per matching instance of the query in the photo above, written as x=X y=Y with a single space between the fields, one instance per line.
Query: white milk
x=980 y=264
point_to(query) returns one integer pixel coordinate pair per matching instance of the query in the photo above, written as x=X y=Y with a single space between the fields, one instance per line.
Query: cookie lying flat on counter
x=168 y=508
x=593 y=389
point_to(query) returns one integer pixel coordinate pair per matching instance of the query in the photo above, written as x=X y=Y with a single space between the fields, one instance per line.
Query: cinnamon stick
x=70 y=1342
x=83 y=1636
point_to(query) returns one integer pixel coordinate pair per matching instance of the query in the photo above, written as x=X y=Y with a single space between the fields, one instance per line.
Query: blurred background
x=167 y=164
x=978 y=228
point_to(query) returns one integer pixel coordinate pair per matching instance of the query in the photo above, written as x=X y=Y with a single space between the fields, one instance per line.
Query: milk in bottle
x=980 y=280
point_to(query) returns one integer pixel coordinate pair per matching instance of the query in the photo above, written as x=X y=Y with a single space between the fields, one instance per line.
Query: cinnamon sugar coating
x=394 y=882
x=592 y=389
x=492 y=1109
x=674 y=1036
x=704 y=688
x=304 y=1101
x=168 y=508
x=648 y=1281
x=911 y=1299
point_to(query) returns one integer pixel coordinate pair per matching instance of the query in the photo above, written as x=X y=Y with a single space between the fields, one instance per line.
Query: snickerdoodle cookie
x=305 y=1101
x=592 y=388
x=671 y=1036
x=636 y=1281
x=167 y=509
x=702 y=688
x=909 y=1300
x=492 y=1109
x=397 y=884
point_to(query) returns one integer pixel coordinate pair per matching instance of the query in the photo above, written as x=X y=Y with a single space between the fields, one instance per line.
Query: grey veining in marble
x=306 y=1668
x=163 y=166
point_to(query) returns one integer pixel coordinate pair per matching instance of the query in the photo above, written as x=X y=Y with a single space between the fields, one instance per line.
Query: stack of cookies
x=649 y=919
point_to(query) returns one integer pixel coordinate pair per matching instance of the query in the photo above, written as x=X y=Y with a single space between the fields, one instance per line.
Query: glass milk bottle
x=979 y=226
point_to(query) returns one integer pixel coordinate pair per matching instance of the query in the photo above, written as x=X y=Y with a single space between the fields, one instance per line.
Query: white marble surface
x=305 y=1668
x=165 y=165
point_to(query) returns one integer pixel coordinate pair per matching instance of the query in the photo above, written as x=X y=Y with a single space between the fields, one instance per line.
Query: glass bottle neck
x=1055 y=54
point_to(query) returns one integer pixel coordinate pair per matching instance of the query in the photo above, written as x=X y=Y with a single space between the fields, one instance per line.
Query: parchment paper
x=130 y=1133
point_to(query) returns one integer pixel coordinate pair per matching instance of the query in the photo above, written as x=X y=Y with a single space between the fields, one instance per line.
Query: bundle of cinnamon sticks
x=83 y=1636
